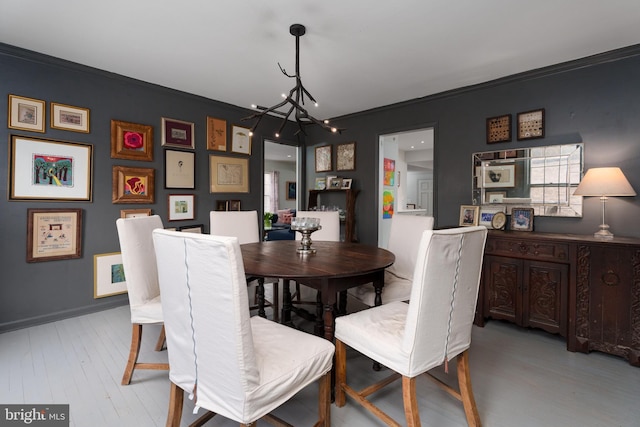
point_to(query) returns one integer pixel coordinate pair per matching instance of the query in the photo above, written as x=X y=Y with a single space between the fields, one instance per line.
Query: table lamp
x=604 y=182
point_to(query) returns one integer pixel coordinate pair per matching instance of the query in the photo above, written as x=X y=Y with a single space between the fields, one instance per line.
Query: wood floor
x=521 y=378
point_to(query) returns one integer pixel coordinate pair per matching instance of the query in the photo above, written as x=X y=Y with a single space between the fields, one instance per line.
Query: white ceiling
x=356 y=55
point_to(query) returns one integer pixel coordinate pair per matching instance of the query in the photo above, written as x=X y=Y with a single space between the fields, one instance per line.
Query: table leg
x=286 y=303
x=377 y=302
x=261 y=311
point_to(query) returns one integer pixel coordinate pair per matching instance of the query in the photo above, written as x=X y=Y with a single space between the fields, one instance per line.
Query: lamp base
x=603 y=233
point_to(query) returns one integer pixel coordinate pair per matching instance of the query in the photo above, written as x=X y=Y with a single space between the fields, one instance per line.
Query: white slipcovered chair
x=329 y=232
x=238 y=366
x=244 y=226
x=404 y=240
x=430 y=330
x=139 y=262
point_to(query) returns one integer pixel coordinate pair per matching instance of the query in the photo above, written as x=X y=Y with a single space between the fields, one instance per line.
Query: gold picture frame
x=108 y=275
x=323 y=159
x=346 y=157
x=241 y=140
x=68 y=117
x=48 y=170
x=469 y=215
x=26 y=114
x=131 y=141
x=134 y=213
x=228 y=174
x=54 y=234
x=216 y=134
x=133 y=185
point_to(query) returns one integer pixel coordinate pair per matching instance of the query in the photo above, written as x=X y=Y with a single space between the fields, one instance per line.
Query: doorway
x=406 y=177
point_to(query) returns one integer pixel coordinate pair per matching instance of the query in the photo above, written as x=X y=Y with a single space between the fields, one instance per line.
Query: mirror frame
x=502 y=179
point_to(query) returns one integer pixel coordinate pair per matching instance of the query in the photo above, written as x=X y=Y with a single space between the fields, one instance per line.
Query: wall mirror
x=543 y=178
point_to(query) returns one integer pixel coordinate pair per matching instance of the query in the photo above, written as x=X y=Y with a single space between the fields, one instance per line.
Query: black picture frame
x=291 y=190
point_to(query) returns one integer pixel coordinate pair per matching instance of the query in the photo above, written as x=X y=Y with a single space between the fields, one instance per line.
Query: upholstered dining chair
x=244 y=226
x=404 y=239
x=238 y=366
x=139 y=262
x=329 y=232
x=434 y=327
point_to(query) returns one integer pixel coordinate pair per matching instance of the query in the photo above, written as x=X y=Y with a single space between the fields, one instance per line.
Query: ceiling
x=354 y=56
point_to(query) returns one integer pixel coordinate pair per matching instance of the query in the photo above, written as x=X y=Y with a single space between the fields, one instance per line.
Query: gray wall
x=595 y=101
x=38 y=292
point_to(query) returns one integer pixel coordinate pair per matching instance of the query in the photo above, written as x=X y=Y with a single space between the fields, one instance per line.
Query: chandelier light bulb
x=254 y=106
x=283 y=95
x=334 y=130
x=277 y=135
x=316 y=104
x=326 y=122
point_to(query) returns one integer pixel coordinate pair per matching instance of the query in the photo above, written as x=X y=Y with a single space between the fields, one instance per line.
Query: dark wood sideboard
x=584 y=289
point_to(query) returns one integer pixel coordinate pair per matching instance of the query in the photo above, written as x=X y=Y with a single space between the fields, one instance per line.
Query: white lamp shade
x=604 y=182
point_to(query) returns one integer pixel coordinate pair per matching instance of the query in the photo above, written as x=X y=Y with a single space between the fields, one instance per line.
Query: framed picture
x=216 y=134
x=335 y=183
x=346 y=156
x=176 y=133
x=179 y=169
x=131 y=141
x=495 y=196
x=43 y=169
x=486 y=215
x=531 y=124
x=228 y=175
x=222 y=205
x=240 y=140
x=522 y=219
x=468 y=215
x=323 y=159
x=291 y=190
x=411 y=206
x=108 y=275
x=26 y=113
x=54 y=234
x=321 y=183
x=234 y=205
x=66 y=117
x=133 y=185
x=196 y=228
x=499 y=176
x=346 y=183
x=181 y=206
x=499 y=129
x=134 y=213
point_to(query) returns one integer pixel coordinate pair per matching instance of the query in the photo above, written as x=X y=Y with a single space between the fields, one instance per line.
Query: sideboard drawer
x=529 y=249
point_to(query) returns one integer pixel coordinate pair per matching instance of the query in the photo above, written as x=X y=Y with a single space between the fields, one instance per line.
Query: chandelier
x=294 y=100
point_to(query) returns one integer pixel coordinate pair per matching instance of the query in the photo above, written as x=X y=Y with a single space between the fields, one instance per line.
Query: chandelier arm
x=295 y=98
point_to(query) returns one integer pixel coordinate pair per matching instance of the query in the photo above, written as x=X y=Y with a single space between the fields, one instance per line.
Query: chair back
x=329 y=221
x=404 y=241
x=240 y=224
x=139 y=262
x=443 y=295
x=209 y=337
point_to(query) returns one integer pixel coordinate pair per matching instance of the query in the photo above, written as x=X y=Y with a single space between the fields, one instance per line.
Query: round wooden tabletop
x=331 y=260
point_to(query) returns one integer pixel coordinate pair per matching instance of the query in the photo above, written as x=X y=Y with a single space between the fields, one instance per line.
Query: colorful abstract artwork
x=52 y=170
x=389 y=172
x=135 y=185
x=387 y=204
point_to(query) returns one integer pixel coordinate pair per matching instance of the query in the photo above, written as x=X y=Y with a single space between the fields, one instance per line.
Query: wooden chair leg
x=466 y=392
x=176 y=401
x=136 y=338
x=411 y=411
x=324 y=401
x=276 y=303
x=341 y=373
x=161 y=340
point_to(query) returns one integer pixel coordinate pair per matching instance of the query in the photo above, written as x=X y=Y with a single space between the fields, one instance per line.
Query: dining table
x=333 y=268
